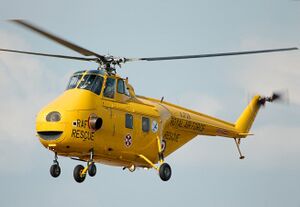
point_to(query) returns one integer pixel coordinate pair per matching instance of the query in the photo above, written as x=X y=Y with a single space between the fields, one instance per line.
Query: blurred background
x=206 y=171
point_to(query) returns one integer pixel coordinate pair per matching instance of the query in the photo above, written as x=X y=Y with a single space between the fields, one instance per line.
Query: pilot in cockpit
x=109 y=90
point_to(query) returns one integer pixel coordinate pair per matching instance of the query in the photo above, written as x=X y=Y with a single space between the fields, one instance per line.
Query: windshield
x=92 y=83
x=89 y=82
x=73 y=81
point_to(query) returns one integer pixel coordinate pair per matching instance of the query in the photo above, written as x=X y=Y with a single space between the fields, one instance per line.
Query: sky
x=206 y=171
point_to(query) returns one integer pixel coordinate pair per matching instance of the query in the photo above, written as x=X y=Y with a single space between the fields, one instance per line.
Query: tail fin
x=245 y=121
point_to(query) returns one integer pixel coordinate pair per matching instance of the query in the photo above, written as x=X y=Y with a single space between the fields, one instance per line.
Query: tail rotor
x=276 y=97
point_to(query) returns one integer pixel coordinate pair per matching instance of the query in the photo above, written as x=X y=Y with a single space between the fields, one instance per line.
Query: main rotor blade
x=211 y=55
x=49 y=55
x=57 y=39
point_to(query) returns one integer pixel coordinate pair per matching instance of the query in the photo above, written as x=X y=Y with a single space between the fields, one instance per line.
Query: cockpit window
x=73 y=81
x=92 y=83
x=121 y=88
x=109 y=90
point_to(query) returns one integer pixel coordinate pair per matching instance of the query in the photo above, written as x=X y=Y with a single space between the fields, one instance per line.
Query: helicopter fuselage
x=133 y=130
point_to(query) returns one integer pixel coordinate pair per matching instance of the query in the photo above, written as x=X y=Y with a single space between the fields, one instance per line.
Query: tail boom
x=246 y=119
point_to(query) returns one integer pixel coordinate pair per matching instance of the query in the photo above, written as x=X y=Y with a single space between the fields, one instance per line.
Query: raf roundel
x=128 y=140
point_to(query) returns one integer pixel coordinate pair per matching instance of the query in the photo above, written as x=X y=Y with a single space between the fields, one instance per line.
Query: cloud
x=24 y=89
x=275 y=146
x=269 y=72
x=201 y=103
x=272 y=147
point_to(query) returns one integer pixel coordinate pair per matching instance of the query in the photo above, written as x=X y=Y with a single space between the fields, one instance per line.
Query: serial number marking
x=187 y=124
x=171 y=136
x=222 y=131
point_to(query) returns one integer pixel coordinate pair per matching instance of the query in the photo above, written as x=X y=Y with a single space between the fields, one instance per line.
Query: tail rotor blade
x=280 y=97
x=276 y=97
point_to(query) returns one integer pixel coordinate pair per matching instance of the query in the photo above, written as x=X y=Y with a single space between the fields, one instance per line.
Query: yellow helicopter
x=100 y=119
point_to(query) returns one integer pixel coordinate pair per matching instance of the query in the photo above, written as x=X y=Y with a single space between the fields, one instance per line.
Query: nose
x=50 y=126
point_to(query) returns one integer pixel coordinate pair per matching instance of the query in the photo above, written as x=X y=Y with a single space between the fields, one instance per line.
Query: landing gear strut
x=237 y=143
x=80 y=172
x=164 y=170
x=55 y=168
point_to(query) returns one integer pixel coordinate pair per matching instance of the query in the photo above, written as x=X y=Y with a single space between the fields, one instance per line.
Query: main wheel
x=55 y=170
x=165 y=172
x=92 y=170
x=77 y=174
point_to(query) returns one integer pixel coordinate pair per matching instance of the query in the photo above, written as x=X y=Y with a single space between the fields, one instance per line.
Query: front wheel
x=77 y=174
x=165 y=172
x=55 y=170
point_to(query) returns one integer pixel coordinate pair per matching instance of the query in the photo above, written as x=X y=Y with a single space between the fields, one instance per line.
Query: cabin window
x=109 y=90
x=121 y=87
x=129 y=121
x=92 y=83
x=73 y=81
x=145 y=124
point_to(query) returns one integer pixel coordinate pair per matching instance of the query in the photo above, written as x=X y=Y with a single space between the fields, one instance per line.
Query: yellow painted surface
x=245 y=121
x=175 y=125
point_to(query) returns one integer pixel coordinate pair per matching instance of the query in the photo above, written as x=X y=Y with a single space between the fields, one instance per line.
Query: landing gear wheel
x=92 y=170
x=77 y=174
x=165 y=172
x=132 y=168
x=55 y=170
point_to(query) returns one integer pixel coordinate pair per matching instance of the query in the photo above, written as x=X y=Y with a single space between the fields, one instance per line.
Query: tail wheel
x=92 y=170
x=77 y=174
x=55 y=170
x=165 y=172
